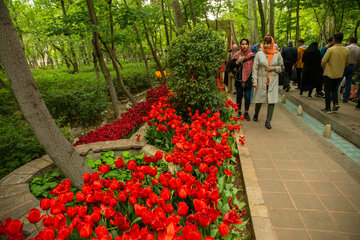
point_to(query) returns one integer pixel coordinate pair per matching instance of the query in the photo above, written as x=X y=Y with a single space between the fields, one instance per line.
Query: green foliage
x=41 y=186
x=18 y=145
x=123 y=174
x=160 y=139
x=194 y=59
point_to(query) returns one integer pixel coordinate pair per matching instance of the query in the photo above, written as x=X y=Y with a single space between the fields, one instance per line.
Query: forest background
x=65 y=40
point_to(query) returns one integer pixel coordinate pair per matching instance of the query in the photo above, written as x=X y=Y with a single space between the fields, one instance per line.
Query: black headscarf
x=312 y=54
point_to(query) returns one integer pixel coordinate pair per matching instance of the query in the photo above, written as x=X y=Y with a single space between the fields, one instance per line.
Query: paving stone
x=26 y=170
x=278 y=200
x=307 y=165
x=299 y=156
x=353 y=237
x=348 y=222
x=8 y=203
x=298 y=187
x=289 y=164
x=259 y=211
x=286 y=218
x=262 y=228
x=82 y=149
x=263 y=164
x=291 y=174
x=329 y=166
x=340 y=177
x=303 y=201
x=47 y=158
x=272 y=186
x=293 y=234
x=324 y=188
x=337 y=203
x=21 y=209
x=280 y=156
x=322 y=235
x=355 y=201
x=39 y=163
x=314 y=175
x=13 y=179
x=318 y=220
x=6 y=192
x=349 y=189
x=267 y=174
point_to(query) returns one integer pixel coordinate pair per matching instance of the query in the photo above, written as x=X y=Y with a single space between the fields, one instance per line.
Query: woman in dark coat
x=311 y=73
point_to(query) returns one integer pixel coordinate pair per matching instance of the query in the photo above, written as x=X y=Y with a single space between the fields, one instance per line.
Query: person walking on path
x=299 y=64
x=311 y=74
x=289 y=55
x=319 y=86
x=354 y=64
x=231 y=77
x=334 y=62
x=243 y=61
x=267 y=66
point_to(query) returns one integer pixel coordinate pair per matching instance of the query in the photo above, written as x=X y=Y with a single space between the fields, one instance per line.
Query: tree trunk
x=32 y=105
x=262 y=18
x=165 y=24
x=321 y=27
x=207 y=21
x=193 y=17
x=73 y=61
x=251 y=33
x=355 y=30
x=100 y=58
x=297 y=36
x=186 y=15
x=158 y=64
x=233 y=33
x=256 y=31
x=96 y=68
x=179 y=18
x=170 y=23
x=272 y=18
x=266 y=16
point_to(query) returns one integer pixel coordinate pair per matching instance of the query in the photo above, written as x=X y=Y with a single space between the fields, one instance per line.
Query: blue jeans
x=348 y=74
x=240 y=92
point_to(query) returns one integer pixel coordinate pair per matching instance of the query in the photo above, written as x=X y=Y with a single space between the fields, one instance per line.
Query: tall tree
x=249 y=16
x=297 y=36
x=193 y=16
x=178 y=16
x=32 y=105
x=262 y=18
x=272 y=18
x=165 y=24
x=256 y=31
x=265 y=9
x=100 y=58
x=74 y=58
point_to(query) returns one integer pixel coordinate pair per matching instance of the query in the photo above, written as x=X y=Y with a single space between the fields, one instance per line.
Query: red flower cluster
x=151 y=205
x=122 y=127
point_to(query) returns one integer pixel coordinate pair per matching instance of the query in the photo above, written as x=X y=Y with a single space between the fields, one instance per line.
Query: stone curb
x=260 y=219
x=344 y=131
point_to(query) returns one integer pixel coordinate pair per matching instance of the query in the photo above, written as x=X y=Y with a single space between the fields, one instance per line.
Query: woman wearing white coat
x=268 y=64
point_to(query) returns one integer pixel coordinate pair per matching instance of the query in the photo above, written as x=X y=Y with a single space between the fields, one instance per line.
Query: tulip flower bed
x=128 y=123
x=197 y=202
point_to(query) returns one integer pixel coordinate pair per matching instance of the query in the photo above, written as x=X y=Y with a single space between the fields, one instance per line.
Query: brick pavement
x=307 y=190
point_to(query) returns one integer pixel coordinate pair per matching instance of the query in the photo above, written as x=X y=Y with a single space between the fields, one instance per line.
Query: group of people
x=259 y=68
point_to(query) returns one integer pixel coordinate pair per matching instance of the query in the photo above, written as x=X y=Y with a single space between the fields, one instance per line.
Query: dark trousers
x=270 y=110
x=288 y=69
x=243 y=92
x=298 y=76
x=330 y=85
x=319 y=85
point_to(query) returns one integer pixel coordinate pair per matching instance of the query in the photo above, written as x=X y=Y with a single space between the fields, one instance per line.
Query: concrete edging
x=344 y=131
x=259 y=213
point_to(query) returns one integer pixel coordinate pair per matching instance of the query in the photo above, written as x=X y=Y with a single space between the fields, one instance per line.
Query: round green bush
x=193 y=61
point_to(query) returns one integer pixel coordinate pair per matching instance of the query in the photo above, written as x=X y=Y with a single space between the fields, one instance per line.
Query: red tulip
x=34 y=216
x=223 y=229
x=183 y=209
x=227 y=172
x=64 y=232
x=45 y=203
x=86 y=231
x=101 y=231
x=119 y=163
x=131 y=165
x=86 y=177
x=203 y=168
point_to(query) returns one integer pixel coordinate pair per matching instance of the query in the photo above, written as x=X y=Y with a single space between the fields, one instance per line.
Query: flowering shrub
x=198 y=202
x=128 y=122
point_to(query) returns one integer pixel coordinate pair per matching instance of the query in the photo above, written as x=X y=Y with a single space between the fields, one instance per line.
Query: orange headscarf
x=270 y=54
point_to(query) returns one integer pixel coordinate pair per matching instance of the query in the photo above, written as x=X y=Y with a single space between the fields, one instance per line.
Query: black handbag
x=238 y=74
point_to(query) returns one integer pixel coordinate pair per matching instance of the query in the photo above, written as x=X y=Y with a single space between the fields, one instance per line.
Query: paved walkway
x=310 y=188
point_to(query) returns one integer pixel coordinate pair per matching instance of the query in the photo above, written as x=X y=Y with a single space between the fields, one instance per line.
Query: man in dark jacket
x=290 y=56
